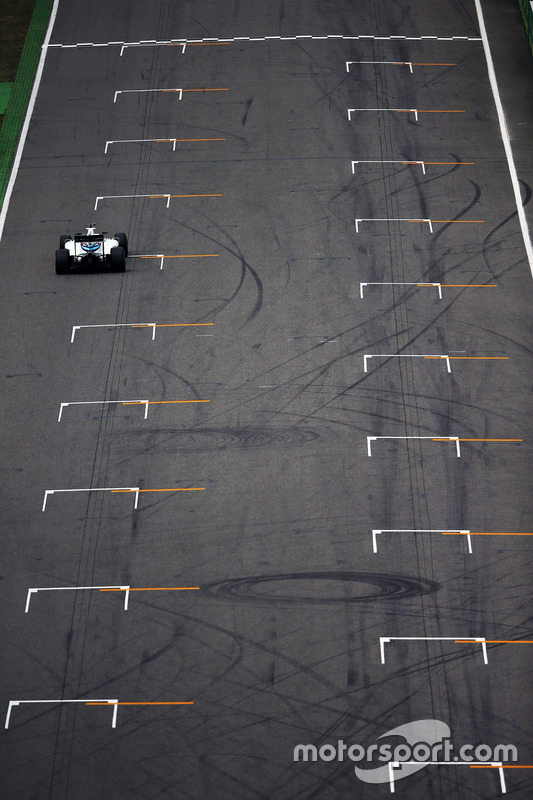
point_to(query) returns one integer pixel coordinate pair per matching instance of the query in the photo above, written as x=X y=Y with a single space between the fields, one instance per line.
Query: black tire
x=117 y=259
x=122 y=242
x=66 y=237
x=62 y=261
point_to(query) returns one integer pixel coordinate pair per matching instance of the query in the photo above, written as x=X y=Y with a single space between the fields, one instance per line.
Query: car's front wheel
x=63 y=240
x=62 y=261
x=118 y=259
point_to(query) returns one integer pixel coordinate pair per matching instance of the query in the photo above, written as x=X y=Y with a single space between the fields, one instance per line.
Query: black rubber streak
x=388 y=587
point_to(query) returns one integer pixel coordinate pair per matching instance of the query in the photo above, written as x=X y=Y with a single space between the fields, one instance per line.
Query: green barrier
x=527 y=13
x=21 y=90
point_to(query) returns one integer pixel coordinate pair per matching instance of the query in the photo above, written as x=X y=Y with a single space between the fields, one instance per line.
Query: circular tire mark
x=322 y=587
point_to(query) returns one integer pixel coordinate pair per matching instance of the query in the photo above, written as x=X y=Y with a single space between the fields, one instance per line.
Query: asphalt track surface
x=280 y=644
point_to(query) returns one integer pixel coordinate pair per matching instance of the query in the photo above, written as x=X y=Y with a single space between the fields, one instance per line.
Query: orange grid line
x=484 y=533
x=504 y=766
x=452 y=163
x=159 y=196
x=156 y=589
x=190 y=140
x=192 y=489
x=477 y=440
x=201 y=90
x=187 y=255
x=463 y=285
x=159 y=703
x=174 y=325
x=181 y=324
x=496 y=641
x=159 y=402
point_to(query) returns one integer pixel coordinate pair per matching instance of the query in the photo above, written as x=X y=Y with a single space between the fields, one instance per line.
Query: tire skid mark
x=389 y=586
x=245 y=267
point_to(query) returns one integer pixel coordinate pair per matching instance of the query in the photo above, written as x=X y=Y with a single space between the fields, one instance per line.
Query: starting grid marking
x=152 y=325
x=97 y=702
x=376 y=533
x=168 y=197
x=406 y=219
x=146 y=91
x=230 y=40
x=162 y=256
x=415 y=111
x=432 y=358
x=422 y=164
x=473 y=764
x=178 y=91
x=383 y=640
x=481 y=640
x=118 y=490
x=113 y=588
x=456 y=439
x=445 y=532
x=145 y=403
x=439 y=286
x=157 y=141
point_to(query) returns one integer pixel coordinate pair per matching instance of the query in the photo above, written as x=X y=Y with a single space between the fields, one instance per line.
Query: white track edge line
x=505 y=136
x=27 y=119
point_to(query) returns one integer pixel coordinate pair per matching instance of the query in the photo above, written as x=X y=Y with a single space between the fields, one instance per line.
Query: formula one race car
x=91 y=251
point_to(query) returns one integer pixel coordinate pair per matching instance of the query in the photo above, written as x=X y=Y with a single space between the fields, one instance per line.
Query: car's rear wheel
x=118 y=259
x=64 y=239
x=62 y=261
x=122 y=242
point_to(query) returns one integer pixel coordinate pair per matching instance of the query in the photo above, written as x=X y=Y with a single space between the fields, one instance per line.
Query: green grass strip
x=5 y=93
x=527 y=13
x=21 y=91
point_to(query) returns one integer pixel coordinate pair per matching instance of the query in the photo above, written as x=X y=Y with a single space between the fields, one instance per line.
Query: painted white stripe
x=210 y=39
x=383 y=640
x=505 y=136
x=29 y=113
x=366 y=356
x=87 y=700
x=496 y=764
x=134 y=489
x=145 y=403
x=370 y=439
x=396 y=63
x=376 y=533
x=381 y=161
x=69 y=589
x=144 y=91
x=411 y=110
x=392 y=219
x=151 y=325
x=399 y=283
